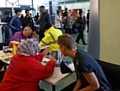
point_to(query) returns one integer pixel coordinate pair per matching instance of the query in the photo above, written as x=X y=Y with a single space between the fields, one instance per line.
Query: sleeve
x=12 y=22
x=86 y=68
x=49 y=21
x=40 y=72
x=39 y=57
x=45 y=40
x=14 y=38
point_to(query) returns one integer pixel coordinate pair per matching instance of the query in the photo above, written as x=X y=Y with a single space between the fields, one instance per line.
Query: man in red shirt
x=25 y=69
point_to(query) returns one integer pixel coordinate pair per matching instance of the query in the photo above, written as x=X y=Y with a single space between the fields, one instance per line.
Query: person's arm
x=77 y=86
x=45 y=41
x=40 y=71
x=15 y=38
x=12 y=22
x=49 y=21
x=40 y=56
x=57 y=18
x=92 y=80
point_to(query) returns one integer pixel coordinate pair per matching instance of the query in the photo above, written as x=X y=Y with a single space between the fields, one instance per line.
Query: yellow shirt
x=51 y=36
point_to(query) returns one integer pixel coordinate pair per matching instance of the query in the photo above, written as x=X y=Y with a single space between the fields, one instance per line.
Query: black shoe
x=84 y=43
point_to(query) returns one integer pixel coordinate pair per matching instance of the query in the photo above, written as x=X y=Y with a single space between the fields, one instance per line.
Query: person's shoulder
x=17 y=34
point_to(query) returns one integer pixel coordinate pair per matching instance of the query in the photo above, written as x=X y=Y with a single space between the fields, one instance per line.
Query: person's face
x=27 y=32
x=27 y=13
x=63 y=50
x=18 y=13
x=41 y=10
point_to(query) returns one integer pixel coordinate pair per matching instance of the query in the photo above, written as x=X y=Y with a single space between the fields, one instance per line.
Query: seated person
x=50 y=38
x=23 y=35
x=90 y=76
x=25 y=69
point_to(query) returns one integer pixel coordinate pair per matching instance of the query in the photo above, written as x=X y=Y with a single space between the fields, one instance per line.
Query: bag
x=65 y=68
x=75 y=31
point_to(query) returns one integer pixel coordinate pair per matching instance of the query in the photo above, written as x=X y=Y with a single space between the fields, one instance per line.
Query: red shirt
x=25 y=72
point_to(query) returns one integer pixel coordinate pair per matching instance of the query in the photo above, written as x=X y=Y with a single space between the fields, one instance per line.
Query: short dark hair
x=26 y=10
x=42 y=7
x=66 y=9
x=18 y=10
x=58 y=11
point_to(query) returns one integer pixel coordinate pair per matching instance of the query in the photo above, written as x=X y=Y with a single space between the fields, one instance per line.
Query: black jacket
x=82 y=22
x=28 y=21
x=45 y=19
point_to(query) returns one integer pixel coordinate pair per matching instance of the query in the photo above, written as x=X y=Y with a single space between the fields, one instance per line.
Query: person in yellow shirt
x=51 y=35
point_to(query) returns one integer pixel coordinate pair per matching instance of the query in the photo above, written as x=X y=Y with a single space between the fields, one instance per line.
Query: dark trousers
x=41 y=35
x=80 y=36
x=68 y=30
x=87 y=27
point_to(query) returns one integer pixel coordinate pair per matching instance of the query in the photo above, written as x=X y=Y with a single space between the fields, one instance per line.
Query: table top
x=3 y=23
x=59 y=76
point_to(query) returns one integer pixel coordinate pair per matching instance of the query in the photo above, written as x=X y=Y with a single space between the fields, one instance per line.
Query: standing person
x=65 y=13
x=37 y=17
x=88 y=17
x=27 y=20
x=44 y=20
x=68 y=23
x=15 y=23
x=82 y=23
x=58 y=20
x=90 y=76
x=25 y=69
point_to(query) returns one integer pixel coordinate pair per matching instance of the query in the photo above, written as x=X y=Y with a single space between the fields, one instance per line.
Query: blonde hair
x=67 y=41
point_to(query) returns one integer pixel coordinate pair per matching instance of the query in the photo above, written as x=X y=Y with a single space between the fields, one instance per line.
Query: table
x=54 y=80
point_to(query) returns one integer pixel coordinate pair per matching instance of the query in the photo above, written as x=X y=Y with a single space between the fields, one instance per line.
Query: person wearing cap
x=22 y=35
x=50 y=38
x=25 y=69
x=15 y=23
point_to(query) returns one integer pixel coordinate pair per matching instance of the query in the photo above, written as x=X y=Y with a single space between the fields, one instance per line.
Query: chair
x=112 y=73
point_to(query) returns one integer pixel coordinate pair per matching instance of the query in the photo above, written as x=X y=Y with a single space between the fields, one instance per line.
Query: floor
x=68 y=80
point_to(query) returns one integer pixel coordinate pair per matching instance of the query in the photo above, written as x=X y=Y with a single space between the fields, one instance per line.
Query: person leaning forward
x=51 y=36
x=25 y=69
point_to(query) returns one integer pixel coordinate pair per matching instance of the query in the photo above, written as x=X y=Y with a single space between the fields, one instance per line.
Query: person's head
x=66 y=9
x=66 y=43
x=27 y=12
x=27 y=31
x=18 y=12
x=22 y=15
x=28 y=47
x=58 y=12
x=42 y=9
x=37 y=13
x=47 y=26
x=81 y=13
x=88 y=11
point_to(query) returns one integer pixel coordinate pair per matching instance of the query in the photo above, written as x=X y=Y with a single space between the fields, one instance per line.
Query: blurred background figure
x=58 y=20
x=88 y=16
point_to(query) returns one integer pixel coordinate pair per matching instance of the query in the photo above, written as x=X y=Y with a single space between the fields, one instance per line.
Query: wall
x=94 y=30
x=110 y=31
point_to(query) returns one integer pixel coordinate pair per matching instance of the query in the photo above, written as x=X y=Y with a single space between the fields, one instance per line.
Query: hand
x=45 y=52
x=53 y=58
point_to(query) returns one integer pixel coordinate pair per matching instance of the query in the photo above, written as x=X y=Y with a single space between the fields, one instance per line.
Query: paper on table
x=55 y=73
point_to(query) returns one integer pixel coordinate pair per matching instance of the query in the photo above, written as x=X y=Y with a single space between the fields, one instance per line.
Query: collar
x=49 y=30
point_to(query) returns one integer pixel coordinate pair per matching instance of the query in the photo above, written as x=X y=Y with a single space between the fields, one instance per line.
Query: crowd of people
x=25 y=69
